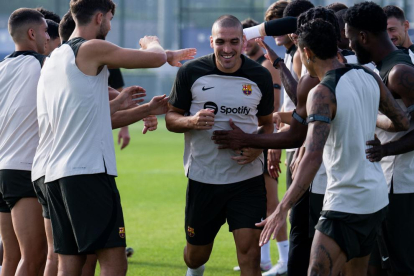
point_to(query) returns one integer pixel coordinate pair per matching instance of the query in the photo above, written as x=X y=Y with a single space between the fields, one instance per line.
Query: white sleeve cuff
x=252 y=32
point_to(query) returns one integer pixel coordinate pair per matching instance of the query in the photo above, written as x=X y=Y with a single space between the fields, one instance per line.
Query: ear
x=31 y=34
x=364 y=37
x=99 y=18
x=211 y=42
x=308 y=53
x=406 y=25
x=244 y=41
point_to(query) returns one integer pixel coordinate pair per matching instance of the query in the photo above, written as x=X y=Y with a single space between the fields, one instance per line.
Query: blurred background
x=178 y=24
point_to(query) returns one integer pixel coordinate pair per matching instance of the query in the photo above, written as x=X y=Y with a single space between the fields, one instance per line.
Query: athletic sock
x=283 y=248
x=195 y=272
x=265 y=253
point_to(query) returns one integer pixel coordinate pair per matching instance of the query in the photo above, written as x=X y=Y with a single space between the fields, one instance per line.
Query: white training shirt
x=19 y=75
x=79 y=115
x=355 y=185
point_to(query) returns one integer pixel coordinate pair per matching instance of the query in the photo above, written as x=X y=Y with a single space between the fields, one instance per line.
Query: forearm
x=130 y=116
x=283 y=26
x=289 y=83
x=385 y=123
x=403 y=145
x=276 y=101
x=177 y=123
x=286 y=117
x=114 y=106
x=280 y=140
x=307 y=170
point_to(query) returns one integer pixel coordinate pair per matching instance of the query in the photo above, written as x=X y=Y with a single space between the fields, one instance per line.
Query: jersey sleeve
x=266 y=105
x=283 y=26
x=181 y=96
x=115 y=79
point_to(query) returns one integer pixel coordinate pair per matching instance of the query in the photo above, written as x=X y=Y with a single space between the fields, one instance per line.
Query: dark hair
x=339 y=15
x=296 y=7
x=367 y=16
x=320 y=13
x=52 y=29
x=23 y=16
x=394 y=11
x=228 y=21
x=275 y=10
x=66 y=26
x=313 y=33
x=336 y=7
x=49 y=14
x=83 y=10
x=247 y=23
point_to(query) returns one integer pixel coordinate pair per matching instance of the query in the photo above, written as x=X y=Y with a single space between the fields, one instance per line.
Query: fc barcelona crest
x=190 y=231
x=122 y=232
x=247 y=89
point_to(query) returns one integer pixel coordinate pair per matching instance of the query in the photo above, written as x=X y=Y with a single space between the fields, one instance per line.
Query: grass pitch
x=152 y=186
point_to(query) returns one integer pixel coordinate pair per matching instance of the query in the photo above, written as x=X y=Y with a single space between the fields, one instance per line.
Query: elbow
x=160 y=60
x=403 y=126
x=298 y=139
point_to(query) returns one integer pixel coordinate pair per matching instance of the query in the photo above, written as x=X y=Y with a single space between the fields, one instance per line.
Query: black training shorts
x=208 y=207
x=40 y=189
x=14 y=185
x=355 y=234
x=85 y=213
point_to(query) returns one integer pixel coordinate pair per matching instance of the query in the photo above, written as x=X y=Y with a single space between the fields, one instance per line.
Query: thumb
x=144 y=130
x=232 y=124
x=261 y=224
x=119 y=139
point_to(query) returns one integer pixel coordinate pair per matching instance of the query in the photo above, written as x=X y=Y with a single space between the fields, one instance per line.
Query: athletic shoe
x=129 y=251
x=197 y=272
x=278 y=269
x=263 y=267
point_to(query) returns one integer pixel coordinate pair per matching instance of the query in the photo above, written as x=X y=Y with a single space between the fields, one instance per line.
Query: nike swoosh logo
x=384 y=259
x=204 y=89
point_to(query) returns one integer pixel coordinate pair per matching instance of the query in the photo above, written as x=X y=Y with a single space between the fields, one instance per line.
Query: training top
x=355 y=185
x=19 y=76
x=240 y=96
x=411 y=52
x=79 y=115
x=398 y=169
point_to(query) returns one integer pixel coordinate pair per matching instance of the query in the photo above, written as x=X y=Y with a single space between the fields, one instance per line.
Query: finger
x=124 y=144
x=232 y=124
x=239 y=158
x=261 y=224
x=119 y=139
x=144 y=130
x=218 y=133
x=373 y=143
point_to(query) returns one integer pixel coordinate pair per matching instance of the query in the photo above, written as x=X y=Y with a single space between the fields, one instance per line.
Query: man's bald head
x=23 y=19
x=227 y=21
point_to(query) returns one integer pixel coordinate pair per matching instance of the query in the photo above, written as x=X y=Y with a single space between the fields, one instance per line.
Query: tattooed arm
x=400 y=83
x=320 y=101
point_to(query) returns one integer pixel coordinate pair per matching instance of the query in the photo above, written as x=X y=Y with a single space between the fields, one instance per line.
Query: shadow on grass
x=211 y=270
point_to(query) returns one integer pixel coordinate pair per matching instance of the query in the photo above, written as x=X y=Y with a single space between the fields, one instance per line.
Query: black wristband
x=276 y=62
x=277 y=86
x=298 y=118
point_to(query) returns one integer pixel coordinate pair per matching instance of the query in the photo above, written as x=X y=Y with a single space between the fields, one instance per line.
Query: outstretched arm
x=321 y=102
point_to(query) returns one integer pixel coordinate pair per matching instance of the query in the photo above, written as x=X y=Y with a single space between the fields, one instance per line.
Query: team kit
x=340 y=102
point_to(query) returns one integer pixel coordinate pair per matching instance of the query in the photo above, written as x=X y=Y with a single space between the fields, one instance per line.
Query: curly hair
x=296 y=7
x=394 y=11
x=275 y=11
x=321 y=13
x=313 y=33
x=49 y=14
x=367 y=16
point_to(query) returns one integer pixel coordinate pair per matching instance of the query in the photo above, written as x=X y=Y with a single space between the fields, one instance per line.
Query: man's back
x=355 y=185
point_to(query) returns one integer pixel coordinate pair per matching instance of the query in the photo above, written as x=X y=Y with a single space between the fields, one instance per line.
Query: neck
x=379 y=53
x=257 y=55
x=288 y=45
x=407 y=41
x=87 y=32
x=25 y=47
x=323 y=66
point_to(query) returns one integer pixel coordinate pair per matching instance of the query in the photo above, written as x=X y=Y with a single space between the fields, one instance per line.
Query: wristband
x=319 y=118
x=276 y=62
x=277 y=86
x=298 y=118
x=252 y=32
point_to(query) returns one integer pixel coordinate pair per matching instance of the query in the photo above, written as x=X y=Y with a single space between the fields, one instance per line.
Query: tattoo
x=406 y=80
x=322 y=263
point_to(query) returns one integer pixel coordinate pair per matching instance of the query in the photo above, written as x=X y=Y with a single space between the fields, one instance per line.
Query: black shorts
x=14 y=185
x=393 y=250
x=289 y=158
x=85 y=213
x=40 y=190
x=315 y=209
x=355 y=234
x=265 y=170
x=208 y=206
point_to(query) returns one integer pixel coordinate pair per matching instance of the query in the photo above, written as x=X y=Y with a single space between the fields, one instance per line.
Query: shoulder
x=320 y=94
x=202 y=63
x=401 y=76
x=256 y=71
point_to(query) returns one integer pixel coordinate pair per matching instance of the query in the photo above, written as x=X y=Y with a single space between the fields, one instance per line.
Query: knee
x=249 y=256
x=195 y=259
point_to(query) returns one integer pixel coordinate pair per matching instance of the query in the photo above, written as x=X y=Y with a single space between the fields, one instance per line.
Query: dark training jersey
x=240 y=96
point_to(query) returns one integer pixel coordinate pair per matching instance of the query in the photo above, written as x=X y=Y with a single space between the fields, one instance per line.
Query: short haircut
x=84 y=10
x=275 y=10
x=247 y=23
x=49 y=14
x=228 y=21
x=296 y=7
x=367 y=16
x=21 y=17
x=394 y=11
x=67 y=26
x=52 y=29
x=320 y=13
x=313 y=33
x=340 y=17
x=336 y=7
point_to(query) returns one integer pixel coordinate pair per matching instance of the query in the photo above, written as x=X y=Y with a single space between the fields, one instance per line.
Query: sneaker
x=129 y=251
x=199 y=271
x=263 y=267
x=278 y=269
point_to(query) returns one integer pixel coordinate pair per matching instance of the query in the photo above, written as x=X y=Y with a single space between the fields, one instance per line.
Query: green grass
x=152 y=186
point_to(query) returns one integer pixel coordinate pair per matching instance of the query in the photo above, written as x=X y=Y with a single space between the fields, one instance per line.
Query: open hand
x=130 y=97
x=229 y=139
x=158 y=105
x=174 y=57
x=147 y=40
x=246 y=155
x=272 y=225
x=273 y=162
x=377 y=152
x=270 y=55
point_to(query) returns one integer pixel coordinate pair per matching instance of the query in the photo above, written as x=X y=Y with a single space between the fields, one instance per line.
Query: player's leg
x=327 y=258
x=197 y=255
x=71 y=265
x=90 y=265
x=30 y=232
x=356 y=267
x=248 y=250
x=11 y=254
x=51 y=268
x=112 y=261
